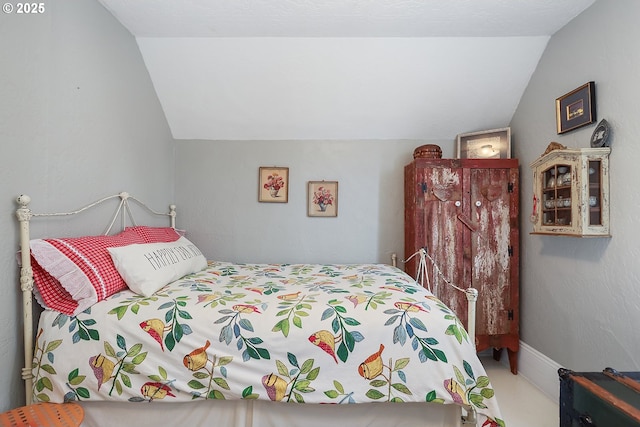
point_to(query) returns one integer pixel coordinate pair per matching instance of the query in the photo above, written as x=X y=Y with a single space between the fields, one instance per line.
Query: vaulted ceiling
x=340 y=69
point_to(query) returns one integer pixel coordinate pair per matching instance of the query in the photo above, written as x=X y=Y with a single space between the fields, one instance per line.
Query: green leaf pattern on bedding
x=80 y=328
x=293 y=333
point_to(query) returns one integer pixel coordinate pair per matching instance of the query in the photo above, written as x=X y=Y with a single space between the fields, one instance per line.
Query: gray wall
x=581 y=297
x=217 y=194
x=79 y=119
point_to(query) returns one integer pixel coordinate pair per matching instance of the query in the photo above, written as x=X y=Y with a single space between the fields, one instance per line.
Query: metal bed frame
x=24 y=215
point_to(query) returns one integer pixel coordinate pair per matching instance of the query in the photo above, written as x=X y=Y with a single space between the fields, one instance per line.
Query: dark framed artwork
x=273 y=186
x=486 y=144
x=322 y=198
x=576 y=108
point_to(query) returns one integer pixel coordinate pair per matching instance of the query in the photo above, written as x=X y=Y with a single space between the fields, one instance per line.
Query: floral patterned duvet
x=290 y=333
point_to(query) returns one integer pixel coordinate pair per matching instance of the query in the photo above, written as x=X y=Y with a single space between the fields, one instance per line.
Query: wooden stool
x=44 y=415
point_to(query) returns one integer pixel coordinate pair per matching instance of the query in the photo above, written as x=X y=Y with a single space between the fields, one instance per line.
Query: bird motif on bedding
x=289 y=297
x=372 y=366
x=155 y=390
x=197 y=359
x=392 y=288
x=102 y=368
x=205 y=298
x=357 y=299
x=275 y=386
x=156 y=328
x=409 y=307
x=326 y=341
x=458 y=394
x=245 y=308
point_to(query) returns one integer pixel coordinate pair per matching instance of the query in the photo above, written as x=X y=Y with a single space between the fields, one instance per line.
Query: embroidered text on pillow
x=167 y=256
x=148 y=267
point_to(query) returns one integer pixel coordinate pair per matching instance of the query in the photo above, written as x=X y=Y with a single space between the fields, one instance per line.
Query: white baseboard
x=538 y=369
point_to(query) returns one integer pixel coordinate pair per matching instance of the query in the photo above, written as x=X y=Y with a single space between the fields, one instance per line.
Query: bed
x=141 y=318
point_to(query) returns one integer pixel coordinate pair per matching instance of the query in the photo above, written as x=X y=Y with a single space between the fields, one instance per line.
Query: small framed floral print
x=322 y=198
x=273 y=184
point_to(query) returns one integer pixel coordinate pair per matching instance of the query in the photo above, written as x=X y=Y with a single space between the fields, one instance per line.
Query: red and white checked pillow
x=72 y=274
x=156 y=234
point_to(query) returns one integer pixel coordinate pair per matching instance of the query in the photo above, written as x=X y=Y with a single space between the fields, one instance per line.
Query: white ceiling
x=340 y=69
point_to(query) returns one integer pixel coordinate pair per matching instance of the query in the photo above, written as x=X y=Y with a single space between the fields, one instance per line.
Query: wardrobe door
x=491 y=263
x=491 y=249
x=433 y=201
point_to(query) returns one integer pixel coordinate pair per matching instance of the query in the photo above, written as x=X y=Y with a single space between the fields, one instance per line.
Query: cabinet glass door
x=556 y=195
x=595 y=192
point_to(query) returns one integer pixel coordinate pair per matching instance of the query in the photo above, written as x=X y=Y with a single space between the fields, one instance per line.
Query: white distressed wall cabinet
x=571 y=193
x=465 y=212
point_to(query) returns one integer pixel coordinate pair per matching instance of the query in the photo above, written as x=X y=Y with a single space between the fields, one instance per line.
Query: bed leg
x=472 y=298
x=470 y=418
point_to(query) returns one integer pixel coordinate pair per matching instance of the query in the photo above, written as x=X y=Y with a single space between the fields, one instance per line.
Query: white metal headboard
x=24 y=215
